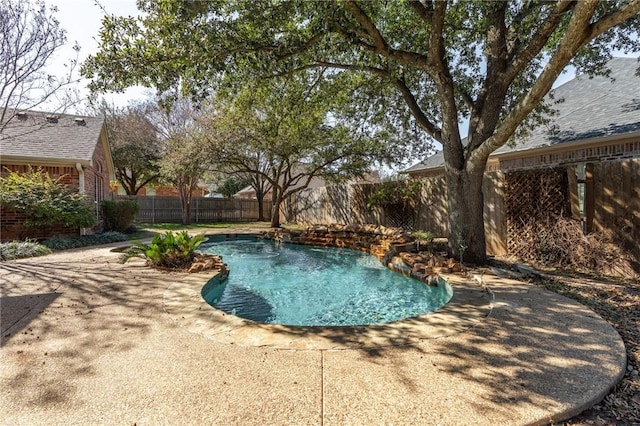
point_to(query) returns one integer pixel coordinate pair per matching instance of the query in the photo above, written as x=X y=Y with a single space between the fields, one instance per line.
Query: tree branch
x=486 y=111
x=529 y=51
x=574 y=39
x=400 y=84
x=380 y=45
x=368 y=25
x=416 y=111
x=606 y=22
x=439 y=72
x=425 y=11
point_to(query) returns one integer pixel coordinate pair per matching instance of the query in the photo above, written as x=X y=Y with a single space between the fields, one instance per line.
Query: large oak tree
x=282 y=133
x=418 y=63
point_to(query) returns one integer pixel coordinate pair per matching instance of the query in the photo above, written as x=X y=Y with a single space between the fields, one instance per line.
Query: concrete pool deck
x=87 y=340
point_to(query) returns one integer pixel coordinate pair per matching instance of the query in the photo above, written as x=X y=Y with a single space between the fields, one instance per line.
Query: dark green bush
x=19 y=249
x=118 y=215
x=398 y=192
x=65 y=243
x=167 y=251
x=44 y=200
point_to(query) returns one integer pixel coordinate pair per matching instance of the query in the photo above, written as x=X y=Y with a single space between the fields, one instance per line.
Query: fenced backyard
x=347 y=204
x=517 y=204
x=203 y=210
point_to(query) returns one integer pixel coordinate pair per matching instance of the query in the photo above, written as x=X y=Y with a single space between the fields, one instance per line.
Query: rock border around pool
x=392 y=246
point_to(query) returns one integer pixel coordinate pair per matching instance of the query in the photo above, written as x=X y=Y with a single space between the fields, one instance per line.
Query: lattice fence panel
x=533 y=198
x=399 y=216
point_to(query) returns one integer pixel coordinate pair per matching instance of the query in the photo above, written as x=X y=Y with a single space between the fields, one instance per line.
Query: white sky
x=82 y=20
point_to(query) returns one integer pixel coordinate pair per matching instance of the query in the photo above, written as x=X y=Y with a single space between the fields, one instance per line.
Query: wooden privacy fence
x=614 y=205
x=203 y=210
x=518 y=204
x=347 y=204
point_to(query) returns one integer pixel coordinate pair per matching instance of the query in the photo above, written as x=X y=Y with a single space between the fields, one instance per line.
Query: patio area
x=87 y=340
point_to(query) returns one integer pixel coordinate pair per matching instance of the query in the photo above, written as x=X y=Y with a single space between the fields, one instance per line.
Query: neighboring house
x=70 y=147
x=247 y=193
x=599 y=119
x=588 y=156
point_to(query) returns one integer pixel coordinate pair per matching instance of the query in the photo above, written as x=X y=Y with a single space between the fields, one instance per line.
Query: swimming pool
x=310 y=286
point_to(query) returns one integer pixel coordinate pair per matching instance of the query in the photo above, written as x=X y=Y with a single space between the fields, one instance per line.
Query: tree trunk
x=466 y=220
x=185 y=200
x=275 y=209
x=128 y=185
x=260 y=198
x=186 y=211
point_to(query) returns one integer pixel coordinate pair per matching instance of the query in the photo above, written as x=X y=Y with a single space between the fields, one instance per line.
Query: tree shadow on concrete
x=16 y=312
x=69 y=313
x=538 y=351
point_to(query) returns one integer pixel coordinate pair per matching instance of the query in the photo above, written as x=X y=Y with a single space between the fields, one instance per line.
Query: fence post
x=153 y=210
x=197 y=207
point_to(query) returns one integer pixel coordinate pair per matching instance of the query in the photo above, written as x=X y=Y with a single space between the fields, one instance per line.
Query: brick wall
x=160 y=191
x=12 y=222
x=172 y=191
x=613 y=151
x=12 y=227
x=96 y=182
x=68 y=176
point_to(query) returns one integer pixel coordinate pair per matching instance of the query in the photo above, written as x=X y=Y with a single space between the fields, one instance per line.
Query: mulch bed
x=618 y=302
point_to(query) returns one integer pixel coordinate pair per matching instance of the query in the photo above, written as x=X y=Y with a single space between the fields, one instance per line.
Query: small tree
x=135 y=146
x=260 y=183
x=29 y=36
x=233 y=184
x=284 y=132
x=44 y=201
x=187 y=156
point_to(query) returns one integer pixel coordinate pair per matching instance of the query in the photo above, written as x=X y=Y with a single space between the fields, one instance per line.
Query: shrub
x=424 y=236
x=20 y=249
x=44 y=200
x=395 y=192
x=167 y=250
x=65 y=243
x=118 y=215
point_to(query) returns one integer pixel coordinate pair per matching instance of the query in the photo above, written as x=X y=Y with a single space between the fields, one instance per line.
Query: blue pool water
x=302 y=285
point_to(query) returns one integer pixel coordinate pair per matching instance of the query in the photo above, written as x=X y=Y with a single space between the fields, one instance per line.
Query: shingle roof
x=593 y=107
x=432 y=162
x=72 y=137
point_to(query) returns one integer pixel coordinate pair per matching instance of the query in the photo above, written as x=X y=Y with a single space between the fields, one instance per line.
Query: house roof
x=434 y=161
x=72 y=138
x=593 y=108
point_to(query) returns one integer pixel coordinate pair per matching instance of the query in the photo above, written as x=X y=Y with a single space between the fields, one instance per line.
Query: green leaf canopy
x=419 y=66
